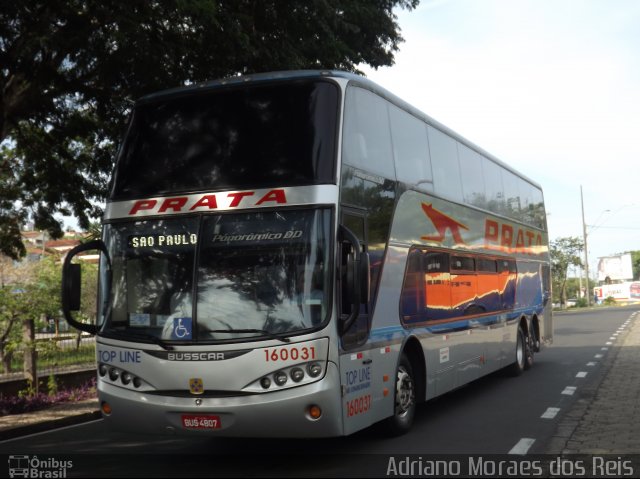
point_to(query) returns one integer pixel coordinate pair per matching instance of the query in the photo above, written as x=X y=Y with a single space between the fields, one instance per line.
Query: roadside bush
x=609 y=301
x=33 y=402
x=581 y=303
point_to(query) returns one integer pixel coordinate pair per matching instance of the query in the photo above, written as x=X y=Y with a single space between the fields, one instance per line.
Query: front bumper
x=275 y=414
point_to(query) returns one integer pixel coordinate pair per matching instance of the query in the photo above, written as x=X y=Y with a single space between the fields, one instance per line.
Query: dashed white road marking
x=581 y=374
x=604 y=349
x=550 y=413
x=599 y=356
x=591 y=363
x=522 y=447
x=569 y=390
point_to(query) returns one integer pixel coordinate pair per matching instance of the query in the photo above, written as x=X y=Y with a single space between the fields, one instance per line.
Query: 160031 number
x=305 y=353
x=359 y=405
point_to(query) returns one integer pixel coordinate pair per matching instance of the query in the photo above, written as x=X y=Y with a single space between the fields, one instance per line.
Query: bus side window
x=489 y=285
x=412 y=302
x=464 y=286
x=437 y=286
x=508 y=275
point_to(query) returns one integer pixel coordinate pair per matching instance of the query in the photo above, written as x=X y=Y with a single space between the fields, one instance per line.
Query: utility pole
x=586 y=254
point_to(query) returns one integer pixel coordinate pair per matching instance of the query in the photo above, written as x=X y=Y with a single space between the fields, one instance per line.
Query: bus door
x=356 y=359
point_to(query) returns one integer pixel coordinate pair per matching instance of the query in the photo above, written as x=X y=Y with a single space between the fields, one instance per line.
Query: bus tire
x=528 y=351
x=518 y=367
x=404 y=403
x=535 y=337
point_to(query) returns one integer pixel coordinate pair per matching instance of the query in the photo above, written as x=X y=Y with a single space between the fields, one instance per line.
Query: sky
x=551 y=87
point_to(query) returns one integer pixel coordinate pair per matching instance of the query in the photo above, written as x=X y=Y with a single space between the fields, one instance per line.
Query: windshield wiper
x=148 y=337
x=268 y=334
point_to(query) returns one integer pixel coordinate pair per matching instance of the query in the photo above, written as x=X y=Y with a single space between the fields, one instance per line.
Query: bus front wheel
x=405 y=399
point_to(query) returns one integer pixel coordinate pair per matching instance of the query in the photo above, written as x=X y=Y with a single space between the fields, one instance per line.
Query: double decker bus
x=303 y=254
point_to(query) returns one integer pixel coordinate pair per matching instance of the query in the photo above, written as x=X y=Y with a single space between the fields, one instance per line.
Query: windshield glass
x=254 y=275
x=253 y=136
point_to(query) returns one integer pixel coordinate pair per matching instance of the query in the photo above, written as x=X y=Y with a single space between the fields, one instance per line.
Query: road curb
x=27 y=429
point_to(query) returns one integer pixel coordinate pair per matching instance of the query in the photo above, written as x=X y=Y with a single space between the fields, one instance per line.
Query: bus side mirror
x=71 y=285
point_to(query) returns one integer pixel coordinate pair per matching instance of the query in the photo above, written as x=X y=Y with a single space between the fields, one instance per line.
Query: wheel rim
x=405 y=393
x=520 y=350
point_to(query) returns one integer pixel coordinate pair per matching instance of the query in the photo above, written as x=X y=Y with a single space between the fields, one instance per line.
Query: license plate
x=191 y=421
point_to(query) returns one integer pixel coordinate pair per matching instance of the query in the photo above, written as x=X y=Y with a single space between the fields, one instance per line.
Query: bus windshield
x=257 y=136
x=252 y=275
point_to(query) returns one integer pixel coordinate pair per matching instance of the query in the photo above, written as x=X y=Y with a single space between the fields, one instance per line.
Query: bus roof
x=352 y=78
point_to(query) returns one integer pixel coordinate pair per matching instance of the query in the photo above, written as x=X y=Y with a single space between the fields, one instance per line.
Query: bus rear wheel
x=404 y=400
x=520 y=364
x=528 y=351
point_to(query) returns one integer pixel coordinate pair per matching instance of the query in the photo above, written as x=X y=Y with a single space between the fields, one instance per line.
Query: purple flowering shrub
x=33 y=402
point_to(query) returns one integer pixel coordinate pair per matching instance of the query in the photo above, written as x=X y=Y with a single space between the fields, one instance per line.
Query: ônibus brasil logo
x=34 y=467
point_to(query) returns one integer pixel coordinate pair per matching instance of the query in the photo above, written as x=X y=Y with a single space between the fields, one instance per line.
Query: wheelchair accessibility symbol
x=182 y=329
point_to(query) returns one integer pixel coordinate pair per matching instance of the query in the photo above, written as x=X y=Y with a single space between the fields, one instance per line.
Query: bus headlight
x=126 y=378
x=120 y=377
x=265 y=383
x=114 y=374
x=314 y=370
x=289 y=377
x=297 y=375
x=280 y=378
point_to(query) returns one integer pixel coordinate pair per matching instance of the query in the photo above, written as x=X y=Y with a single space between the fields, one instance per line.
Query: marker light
x=106 y=408
x=137 y=382
x=102 y=370
x=314 y=412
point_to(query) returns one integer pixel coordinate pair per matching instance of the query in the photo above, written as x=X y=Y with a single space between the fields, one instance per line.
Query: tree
x=564 y=252
x=70 y=70
x=635 y=264
x=32 y=293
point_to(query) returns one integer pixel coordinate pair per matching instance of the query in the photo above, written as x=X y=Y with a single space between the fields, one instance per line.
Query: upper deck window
x=254 y=136
x=366 y=135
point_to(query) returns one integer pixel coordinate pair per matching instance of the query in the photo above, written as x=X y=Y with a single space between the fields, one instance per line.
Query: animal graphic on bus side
x=443 y=222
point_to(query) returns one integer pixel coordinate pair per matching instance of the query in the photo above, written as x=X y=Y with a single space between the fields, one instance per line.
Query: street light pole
x=586 y=254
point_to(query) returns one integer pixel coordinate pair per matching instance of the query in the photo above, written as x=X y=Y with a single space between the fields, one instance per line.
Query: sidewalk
x=64 y=414
x=606 y=418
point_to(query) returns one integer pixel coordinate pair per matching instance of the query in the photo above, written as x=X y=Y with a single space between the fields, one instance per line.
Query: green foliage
x=33 y=294
x=581 y=303
x=71 y=68
x=58 y=358
x=564 y=252
x=609 y=301
x=29 y=391
x=635 y=264
x=32 y=402
x=52 y=385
